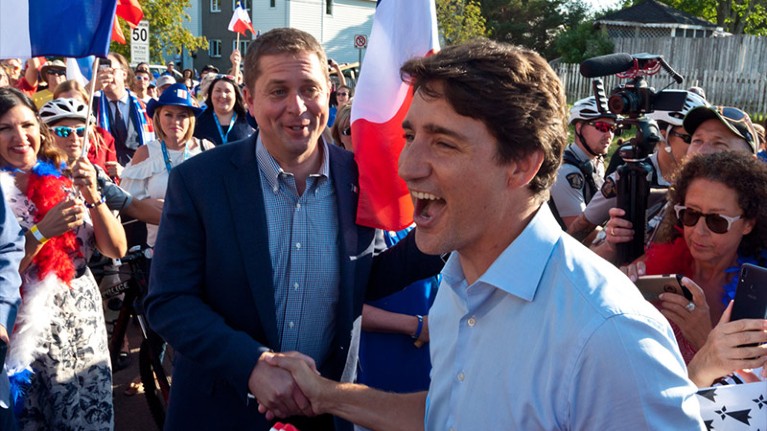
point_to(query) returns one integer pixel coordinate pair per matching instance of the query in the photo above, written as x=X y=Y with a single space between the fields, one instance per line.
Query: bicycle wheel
x=156 y=367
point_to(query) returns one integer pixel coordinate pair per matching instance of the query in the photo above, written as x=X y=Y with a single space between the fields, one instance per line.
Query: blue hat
x=175 y=95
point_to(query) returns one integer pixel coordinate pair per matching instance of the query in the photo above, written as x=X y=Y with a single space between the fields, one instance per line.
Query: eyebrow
x=436 y=130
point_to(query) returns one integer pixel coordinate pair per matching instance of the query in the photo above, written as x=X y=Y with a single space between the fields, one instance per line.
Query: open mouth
x=426 y=208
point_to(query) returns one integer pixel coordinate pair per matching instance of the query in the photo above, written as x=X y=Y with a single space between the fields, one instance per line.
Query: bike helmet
x=586 y=109
x=675 y=118
x=60 y=109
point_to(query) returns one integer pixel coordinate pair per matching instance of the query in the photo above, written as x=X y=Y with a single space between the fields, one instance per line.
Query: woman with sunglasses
x=718 y=222
x=173 y=116
x=342 y=128
x=224 y=119
x=59 y=342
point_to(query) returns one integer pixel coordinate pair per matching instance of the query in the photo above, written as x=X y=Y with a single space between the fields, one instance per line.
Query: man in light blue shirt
x=529 y=330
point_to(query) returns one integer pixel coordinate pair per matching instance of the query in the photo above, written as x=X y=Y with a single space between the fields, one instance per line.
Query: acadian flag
x=401 y=30
x=241 y=21
x=131 y=12
x=67 y=28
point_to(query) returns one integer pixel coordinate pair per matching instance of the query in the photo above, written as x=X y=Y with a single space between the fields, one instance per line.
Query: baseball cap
x=735 y=119
x=165 y=80
x=209 y=68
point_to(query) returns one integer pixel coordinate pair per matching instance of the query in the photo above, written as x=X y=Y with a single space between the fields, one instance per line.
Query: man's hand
x=308 y=379
x=275 y=390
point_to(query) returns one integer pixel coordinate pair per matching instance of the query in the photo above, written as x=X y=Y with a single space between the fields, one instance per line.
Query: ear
x=246 y=94
x=522 y=171
x=578 y=126
x=748 y=226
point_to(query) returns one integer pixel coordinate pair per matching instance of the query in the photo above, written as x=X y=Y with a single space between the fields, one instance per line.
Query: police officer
x=581 y=174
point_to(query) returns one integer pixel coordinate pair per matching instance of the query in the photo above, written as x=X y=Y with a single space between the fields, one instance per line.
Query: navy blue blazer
x=211 y=295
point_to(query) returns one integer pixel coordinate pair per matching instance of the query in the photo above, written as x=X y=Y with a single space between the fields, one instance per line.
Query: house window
x=272 y=3
x=214 y=48
x=246 y=4
x=243 y=46
x=329 y=7
x=215 y=5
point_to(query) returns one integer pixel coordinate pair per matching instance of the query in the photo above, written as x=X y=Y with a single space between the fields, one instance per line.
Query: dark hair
x=239 y=101
x=741 y=172
x=10 y=98
x=511 y=89
x=281 y=41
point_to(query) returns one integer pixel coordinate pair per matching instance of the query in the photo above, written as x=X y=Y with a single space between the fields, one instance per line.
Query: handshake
x=288 y=384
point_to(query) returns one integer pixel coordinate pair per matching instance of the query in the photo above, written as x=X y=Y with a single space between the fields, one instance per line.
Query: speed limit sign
x=139 y=43
x=360 y=41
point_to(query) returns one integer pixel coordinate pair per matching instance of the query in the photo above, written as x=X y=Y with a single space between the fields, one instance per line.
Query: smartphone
x=3 y=352
x=105 y=63
x=751 y=295
x=652 y=286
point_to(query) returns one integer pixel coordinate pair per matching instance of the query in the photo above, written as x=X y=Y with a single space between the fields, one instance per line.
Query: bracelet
x=95 y=204
x=38 y=235
x=419 y=328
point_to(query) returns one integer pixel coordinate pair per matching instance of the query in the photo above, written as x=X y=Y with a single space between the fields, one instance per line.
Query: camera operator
x=665 y=161
x=582 y=172
x=714 y=129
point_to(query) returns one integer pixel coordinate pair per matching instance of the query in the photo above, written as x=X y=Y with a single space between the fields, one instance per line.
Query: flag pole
x=238 y=41
x=88 y=112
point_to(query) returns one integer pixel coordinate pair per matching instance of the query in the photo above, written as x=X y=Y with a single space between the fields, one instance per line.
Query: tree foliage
x=734 y=16
x=166 y=31
x=533 y=23
x=583 y=42
x=460 y=20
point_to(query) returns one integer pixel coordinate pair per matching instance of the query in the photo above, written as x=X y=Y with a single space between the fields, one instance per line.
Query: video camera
x=631 y=102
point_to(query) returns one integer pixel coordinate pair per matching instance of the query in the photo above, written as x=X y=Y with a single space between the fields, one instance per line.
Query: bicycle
x=155 y=356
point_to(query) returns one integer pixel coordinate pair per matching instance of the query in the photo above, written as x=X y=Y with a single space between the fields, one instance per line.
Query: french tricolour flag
x=401 y=30
x=240 y=21
x=68 y=28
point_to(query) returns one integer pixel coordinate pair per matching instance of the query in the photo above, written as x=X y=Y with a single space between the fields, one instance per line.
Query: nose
x=296 y=104
x=413 y=161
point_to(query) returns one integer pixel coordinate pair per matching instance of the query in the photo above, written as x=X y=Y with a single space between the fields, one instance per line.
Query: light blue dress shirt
x=304 y=250
x=552 y=337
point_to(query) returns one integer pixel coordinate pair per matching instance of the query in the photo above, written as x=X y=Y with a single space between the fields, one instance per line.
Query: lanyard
x=166 y=156
x=225 y=137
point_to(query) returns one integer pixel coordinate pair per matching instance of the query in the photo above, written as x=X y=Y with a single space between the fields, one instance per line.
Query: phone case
x=652 y=286
x=751 y=295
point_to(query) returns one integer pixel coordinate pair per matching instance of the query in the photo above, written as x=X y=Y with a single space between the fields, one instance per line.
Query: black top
x=206 y=128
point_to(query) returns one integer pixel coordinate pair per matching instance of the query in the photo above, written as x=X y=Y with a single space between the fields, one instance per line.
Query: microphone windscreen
x=606 y=65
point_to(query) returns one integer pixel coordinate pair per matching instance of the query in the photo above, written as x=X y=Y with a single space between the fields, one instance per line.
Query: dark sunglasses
x=347 y=131
x=603 y=126
x=683 y=136
x=56 y=72
x=342 y=94
x=64 y=132
x=716 y=223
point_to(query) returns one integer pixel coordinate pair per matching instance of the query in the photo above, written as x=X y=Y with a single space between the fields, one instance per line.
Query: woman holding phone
x=718 y=222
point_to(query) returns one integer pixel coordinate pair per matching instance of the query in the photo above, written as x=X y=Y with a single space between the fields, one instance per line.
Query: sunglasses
x=716 y=223
x=347 y=131
x=603 y=126
x=342 y=94
x=683 y=136
x=64 y=132
x=56 y=72
x=142 y=78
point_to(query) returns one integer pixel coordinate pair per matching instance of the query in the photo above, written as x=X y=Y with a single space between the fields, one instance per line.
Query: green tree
x=533 y=23
x=460 y=20
x=166 y=32
x=583 y=42
x=734 y=16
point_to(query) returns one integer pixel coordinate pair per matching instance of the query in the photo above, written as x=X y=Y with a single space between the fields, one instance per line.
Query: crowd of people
x=506 y=306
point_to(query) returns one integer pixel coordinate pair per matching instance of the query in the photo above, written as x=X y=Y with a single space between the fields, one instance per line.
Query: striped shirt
x=304 y=250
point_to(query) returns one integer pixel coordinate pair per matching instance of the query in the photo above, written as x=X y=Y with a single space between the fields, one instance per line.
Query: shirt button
x=276 y=189
x=298 y=207
x=298 y=245
x=291 y=324
x=461 y=376
x=472 y=321
x=295 y=286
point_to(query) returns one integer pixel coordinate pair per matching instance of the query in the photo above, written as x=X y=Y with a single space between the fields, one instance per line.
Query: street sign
x=139 y=43
x=360 y=41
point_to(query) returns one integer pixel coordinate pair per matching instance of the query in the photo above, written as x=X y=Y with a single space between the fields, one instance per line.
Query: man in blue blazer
x=258 y=251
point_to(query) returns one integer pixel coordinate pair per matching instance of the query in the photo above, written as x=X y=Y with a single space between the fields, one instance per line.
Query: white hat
x=164 y=81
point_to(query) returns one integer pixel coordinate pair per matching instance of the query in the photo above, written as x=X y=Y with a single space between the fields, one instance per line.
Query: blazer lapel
x=243 y=186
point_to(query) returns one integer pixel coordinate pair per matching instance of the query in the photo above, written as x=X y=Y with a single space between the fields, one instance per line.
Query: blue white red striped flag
x=67 y=28
x=401 y=30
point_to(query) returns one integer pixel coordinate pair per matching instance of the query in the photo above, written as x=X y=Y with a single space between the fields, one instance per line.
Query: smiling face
x=289 y=101
x=72 y=145
x=19 y=138
x=458 y=187
x=708 y=197
x=175 y=122
x=223 y=96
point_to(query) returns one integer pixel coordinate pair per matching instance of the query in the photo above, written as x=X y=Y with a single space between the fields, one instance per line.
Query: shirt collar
x=272 y=169
x=519 y=268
